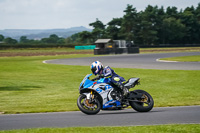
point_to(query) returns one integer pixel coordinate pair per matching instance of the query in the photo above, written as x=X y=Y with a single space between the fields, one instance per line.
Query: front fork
x=90 y=97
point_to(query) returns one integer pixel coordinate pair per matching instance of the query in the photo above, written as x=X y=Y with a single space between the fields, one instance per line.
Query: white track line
x=158 y=60
x=44 y=61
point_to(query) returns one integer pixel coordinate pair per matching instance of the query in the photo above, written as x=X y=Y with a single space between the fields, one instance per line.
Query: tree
x=129 y=23
x=23 y=39
x=99 y=29
x=61 y=41
x=172 y=12
x=53 y=38
x=190 y=21
x=9 y=40
x=113 y=29
x=97 y=24
x=85 y=36
x=148 y=21
x=75 y=38
x=160 y=16
x=174 y=30
x=1 y=37
x=197 y=14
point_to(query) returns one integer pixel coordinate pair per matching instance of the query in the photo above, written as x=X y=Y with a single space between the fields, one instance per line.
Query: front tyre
x=88 y=107
x=144 y=104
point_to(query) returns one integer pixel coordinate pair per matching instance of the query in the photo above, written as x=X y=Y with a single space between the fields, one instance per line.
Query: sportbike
x=100 y=94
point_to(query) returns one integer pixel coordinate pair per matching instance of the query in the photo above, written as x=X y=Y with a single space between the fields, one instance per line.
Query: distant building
x=1 y=42
x=109 y=46
x=104 y=43
x=37 y=39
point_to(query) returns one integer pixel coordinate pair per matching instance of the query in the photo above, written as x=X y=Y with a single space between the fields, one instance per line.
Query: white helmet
x=96 y=67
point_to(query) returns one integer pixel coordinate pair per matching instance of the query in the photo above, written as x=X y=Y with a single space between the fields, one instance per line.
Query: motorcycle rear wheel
x=86 y=107
x=143 y=105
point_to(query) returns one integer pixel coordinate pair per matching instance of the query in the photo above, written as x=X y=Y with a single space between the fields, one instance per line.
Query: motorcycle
x=100 y=94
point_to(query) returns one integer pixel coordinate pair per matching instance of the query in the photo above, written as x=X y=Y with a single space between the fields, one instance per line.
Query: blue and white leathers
x=110 y=73
x=102 y=87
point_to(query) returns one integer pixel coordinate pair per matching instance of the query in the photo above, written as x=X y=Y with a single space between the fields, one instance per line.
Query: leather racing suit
x=115 y=79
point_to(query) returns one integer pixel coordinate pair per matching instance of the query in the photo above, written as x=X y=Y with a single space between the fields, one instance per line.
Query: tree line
x=155 y=26
x=151 y=27
x=54 y=39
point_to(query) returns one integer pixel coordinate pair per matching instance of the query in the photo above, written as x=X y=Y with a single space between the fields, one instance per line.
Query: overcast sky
x=51 y=14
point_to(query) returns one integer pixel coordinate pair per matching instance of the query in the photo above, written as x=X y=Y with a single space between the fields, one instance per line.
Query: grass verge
x=169 y=50
x=28 y=85
x=64 y=51
x=177 y=128
x=195 y=58
x=22 y=50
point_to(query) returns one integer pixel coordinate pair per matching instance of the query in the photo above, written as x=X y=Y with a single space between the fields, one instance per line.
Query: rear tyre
x=86 y=107
x=144 y=104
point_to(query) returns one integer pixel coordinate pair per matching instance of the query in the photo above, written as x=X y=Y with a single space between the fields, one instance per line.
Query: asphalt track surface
x=126 y=117
x=145 y=61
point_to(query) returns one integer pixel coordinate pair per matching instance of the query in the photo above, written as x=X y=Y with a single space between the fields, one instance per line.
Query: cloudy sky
x=51 y=14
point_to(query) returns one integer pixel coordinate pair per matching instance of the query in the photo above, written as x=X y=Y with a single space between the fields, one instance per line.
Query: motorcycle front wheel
x=144 y=104
x=88 y=107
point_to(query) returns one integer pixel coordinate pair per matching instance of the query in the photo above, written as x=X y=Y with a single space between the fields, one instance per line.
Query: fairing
x=102 y=87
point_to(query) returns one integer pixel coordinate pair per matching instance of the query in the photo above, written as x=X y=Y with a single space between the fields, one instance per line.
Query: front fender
x=88 y=95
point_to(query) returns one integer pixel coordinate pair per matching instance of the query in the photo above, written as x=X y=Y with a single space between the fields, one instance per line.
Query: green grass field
x=28 y=85
x=184 y=128
x=195 y=58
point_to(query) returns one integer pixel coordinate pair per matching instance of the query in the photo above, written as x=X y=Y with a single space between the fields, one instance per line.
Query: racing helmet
x=96 y=67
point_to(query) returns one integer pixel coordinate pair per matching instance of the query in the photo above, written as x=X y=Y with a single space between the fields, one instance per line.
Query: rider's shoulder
x=107 y=67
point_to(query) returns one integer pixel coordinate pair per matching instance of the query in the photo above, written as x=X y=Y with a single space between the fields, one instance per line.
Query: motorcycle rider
x=98 y=69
